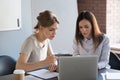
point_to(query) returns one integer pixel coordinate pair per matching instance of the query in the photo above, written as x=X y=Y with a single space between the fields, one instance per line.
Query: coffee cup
x=19 y=74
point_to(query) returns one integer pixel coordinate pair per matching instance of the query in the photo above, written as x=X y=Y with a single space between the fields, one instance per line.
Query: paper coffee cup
x=19 y=74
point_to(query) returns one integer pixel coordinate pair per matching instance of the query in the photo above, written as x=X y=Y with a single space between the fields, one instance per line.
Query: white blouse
x=103 y=50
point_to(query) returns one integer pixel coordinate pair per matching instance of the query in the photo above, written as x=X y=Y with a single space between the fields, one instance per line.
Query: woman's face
x=85 y=28
x=50 y=32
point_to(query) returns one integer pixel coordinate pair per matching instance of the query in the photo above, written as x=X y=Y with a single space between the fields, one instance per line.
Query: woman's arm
x=23 y=64
x=105 y=52
x=53 y=66
x=26 y=50
x=75 y=48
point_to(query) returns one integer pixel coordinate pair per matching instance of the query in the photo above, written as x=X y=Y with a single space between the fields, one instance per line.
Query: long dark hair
x=97 y=35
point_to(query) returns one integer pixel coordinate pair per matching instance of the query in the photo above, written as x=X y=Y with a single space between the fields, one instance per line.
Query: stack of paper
x=43 y=74
x=112 y=76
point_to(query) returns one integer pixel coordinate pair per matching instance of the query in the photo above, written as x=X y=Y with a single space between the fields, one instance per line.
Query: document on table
x=30 y=77
x=43 y=73
x=112 y=76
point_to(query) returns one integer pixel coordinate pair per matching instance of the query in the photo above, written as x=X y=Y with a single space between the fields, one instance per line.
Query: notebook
x=43 y=74
x=78 y=68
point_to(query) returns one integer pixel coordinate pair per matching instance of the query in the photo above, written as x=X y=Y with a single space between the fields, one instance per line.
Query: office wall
x=99 y=11
x=11 y=41
x=66 y=10
x=113 y=21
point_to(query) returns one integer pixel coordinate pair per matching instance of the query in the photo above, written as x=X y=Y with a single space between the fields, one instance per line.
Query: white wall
x=66 y=10
x=12 y=40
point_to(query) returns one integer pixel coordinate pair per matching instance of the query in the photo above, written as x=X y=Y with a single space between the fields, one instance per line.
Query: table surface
x=101 y=75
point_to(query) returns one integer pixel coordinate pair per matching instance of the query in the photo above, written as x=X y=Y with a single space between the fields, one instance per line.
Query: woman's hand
x=52 y=67
x=52 y=63
x=50 y=60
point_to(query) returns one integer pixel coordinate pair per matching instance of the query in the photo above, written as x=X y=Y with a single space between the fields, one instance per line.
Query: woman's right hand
x=50 y=59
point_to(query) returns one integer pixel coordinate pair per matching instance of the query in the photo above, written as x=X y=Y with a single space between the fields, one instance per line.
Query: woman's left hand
x=52 y=67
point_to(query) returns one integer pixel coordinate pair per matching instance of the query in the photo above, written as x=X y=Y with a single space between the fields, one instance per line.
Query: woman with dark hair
x=36 y=51
x=89 y=40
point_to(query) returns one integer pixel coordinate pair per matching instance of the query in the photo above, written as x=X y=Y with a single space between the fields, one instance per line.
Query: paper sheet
x=30 y=77
x=43 y=73
x=112 y=76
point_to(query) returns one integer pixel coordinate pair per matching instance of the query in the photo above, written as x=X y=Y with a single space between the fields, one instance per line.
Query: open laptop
x=78 y=68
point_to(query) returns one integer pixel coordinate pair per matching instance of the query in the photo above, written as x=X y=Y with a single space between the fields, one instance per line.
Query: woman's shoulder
x=74 y=41
x=105 y=37
x=30 y=38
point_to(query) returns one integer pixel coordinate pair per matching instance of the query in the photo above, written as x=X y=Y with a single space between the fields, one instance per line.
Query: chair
x=7 y=65
x=114 y=61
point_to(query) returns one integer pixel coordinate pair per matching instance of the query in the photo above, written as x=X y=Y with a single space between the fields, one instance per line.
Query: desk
x=28 y=77
x=101 y=75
